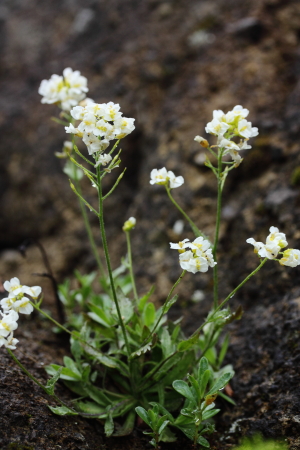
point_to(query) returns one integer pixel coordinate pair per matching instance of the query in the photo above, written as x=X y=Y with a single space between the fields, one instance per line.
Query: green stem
x=163 y=309
x=90 y=234
x=229 y=297
x=130 y=266
x=195 y=229
x=105 y=247
x=218 y=219
x=35 y=380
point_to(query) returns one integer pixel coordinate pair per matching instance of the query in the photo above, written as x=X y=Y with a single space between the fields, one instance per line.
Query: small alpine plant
x=129 y=359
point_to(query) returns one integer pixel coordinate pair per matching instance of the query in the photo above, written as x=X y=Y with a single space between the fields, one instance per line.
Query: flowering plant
x=128 y=358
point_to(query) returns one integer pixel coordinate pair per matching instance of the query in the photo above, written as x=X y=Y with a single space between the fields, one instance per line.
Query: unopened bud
x=129 y=224
x=202 y=141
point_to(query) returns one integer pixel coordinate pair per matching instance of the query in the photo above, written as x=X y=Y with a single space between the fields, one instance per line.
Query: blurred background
x=169 y=64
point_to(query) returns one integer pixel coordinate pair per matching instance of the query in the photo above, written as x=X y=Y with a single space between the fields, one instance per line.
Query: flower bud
x=129 y=224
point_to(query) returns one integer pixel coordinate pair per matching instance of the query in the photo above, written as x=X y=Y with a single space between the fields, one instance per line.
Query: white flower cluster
x=164 y=177
x=275 y=242
x=100 y=124
x=198 y=259
x=66 y=90
x=229 y=125
x=15 y=303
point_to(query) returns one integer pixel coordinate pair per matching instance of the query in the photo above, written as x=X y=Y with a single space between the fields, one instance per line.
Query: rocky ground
x=169 y=64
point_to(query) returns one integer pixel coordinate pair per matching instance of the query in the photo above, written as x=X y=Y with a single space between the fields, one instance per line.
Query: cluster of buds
x=227 y=126
x=100 y=124
x=165 y=177
x=66 y=90
x=275 y=242
x=15 y=303
x=198 y=258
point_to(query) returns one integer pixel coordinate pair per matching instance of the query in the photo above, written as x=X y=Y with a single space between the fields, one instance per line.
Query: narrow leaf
x=109 y=425
x=183 y=346
x=183 y=389
x=62 y=411
x=220 y=383
x=143 y=415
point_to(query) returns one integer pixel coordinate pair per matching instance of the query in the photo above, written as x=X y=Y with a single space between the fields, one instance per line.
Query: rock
x=249 y=28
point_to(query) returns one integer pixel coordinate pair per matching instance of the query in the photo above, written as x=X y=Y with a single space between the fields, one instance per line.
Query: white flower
x=72 y=130
x=193 y=264
x=103 y=159
x=92 y=142
x=246 y=130
x=209 y=256
x=8 y=323
x=274 y=243
x=12 y=285
x=67 y=90
x=96 y=122
x=162 y=176
x=124 y=126
x=112 y=111
x=200 y=245
x=216 y=127
x=237 y=113
x=9 y=342
x=257 y=245
x=291 y=257
x=16 y=300
x=159 y=176
x=175 y=181
x=276 y=236
x=228 y=145
x=180 y=245
x=129 y=224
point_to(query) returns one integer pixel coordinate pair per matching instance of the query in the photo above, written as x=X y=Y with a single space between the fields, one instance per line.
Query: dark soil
x=147 y=56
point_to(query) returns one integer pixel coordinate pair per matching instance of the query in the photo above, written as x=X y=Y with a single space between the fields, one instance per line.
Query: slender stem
x=35 y=380
x=219 y=203
x=51 y=319
x=105 y=247
x=163 y=308
x=90 y=234
x=195 y=229
x=130 y=266
x=154 y=371
x=26 y=371
x=209 y=320
x=240 y=285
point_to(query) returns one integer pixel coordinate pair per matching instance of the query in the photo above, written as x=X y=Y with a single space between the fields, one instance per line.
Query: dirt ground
x=169 y=64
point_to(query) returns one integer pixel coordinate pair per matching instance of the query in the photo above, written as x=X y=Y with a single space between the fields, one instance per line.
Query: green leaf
x=126 y=307
x=66 y=374
x=228 y=399
x=109 y=425
x=203 y=382
x=97 y=395
x=62 y=411
x=167 y=436
x=220 y=383
x=76 y=349
x=169 y=303
x=203 y=366
x=105 y=360
x=210 y=413
x=183 y=346
x=128 y=425
x=163 y=426
x=143 y=415
x=149 y=314
x=195 y=385
x=224 y=348
x=70 y=364
x=92 y=408
x=143 y=300
x=98 y=314
x=202 y=441
x=51 y=383
x=166 y=344
x=183 y=388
